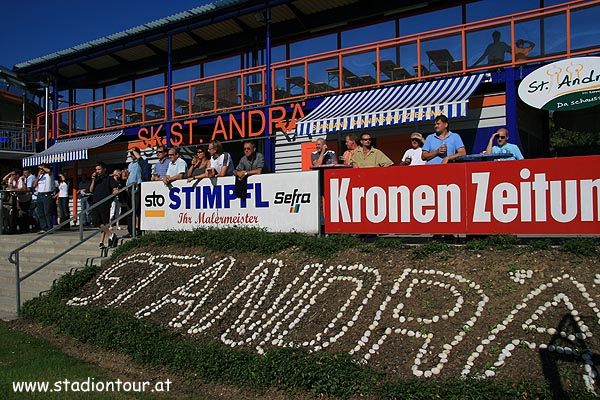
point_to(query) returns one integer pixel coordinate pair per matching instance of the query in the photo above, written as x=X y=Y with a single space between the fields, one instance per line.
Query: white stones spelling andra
x=268 y=310
x=520 y=275
x=529 y=327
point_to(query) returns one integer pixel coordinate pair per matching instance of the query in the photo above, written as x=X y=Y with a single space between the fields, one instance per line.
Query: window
x=119 y=89
x=149 y=82
x=222 y=66
x=432 y=20
x=186 y=74
x=486 y=9
x=369 y=34
x=313 y=46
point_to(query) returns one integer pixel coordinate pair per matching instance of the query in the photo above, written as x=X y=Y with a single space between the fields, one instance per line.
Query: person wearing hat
x=45 y=189
x=412 y=156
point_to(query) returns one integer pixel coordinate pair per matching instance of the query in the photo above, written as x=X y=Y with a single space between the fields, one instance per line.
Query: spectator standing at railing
x=177 y=167
x=84 y=199
x=252 y=163
x=198 y=165
x=102 y=186
x=412 y=156
x=322 y=156
x=136 y=170
x=115 y=205
x=368 y=156
x=494 y=51
x=45 y=187
x=162 y=165
x=503 y=146
x=62 y=201
x=220 y=161
x=25 y=186
x=352 y=145
x=11 y=180
x=442 y=146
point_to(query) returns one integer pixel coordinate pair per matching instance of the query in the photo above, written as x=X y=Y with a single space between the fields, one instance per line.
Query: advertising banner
x=278 y=202
x=570 y=84
x=542 y=196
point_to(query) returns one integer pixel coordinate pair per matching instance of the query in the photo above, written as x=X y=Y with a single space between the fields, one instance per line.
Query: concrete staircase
x=34 y=256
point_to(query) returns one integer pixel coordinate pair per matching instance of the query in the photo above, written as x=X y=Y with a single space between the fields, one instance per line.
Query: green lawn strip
x=24 y=358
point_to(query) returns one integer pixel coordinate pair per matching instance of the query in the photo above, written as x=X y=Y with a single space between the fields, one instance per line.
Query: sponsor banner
x=277 y=202
x=564 y=85
x=542 y=196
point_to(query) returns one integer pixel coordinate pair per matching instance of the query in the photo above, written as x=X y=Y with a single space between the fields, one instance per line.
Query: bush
x=429 y=249
x=498 y=242
x=244 y=240
x=581 y=246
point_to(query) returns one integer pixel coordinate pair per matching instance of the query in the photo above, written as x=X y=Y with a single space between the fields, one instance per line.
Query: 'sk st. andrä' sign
x=542 y=196
x=277 y=202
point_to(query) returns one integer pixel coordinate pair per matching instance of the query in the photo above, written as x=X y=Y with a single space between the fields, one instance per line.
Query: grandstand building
x=286 y=72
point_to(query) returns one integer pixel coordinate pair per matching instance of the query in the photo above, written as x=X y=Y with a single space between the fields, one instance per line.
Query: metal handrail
x=13 y=257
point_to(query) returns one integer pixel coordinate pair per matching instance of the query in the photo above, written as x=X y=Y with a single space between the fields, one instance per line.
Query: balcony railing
x=436 y=53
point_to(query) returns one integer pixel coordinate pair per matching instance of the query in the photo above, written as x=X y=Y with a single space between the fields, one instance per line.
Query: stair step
x=33 y=256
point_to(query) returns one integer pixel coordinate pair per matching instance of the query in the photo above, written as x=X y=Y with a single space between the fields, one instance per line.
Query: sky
x=36 y=28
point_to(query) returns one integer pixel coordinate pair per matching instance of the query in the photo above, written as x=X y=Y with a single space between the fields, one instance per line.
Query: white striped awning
x=71 y=149
x=391 y=105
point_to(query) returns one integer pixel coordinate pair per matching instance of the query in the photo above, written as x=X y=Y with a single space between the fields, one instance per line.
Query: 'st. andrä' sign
x=563 y=85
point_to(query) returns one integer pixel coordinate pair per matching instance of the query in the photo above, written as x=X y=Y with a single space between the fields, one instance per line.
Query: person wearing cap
x=503 y=146
x=412 y=156
x=45 y=189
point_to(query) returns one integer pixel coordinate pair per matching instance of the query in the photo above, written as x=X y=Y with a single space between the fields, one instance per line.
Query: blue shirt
x=508 y=148
x=161 y=167
x=433 y=142
x=135 y=172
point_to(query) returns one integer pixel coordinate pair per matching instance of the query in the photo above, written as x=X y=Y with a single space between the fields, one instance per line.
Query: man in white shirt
x=220 y=161
x=45 y=186
x=177 y=167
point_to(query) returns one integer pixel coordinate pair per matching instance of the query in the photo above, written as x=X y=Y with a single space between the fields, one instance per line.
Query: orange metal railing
x=435 y=53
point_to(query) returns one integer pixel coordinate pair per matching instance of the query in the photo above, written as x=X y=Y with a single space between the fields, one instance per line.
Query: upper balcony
x=557 y=32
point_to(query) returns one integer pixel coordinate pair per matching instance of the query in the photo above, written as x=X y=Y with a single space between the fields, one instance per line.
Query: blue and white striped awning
x=71 y=149
x=391 y=105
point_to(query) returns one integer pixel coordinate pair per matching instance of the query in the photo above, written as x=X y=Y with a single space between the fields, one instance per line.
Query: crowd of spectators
x=37 y=199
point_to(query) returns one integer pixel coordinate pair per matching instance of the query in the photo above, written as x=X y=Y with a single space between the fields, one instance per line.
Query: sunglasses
x=247 y=148
x=414 y=140
x=501 y=137
x=366 y=139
